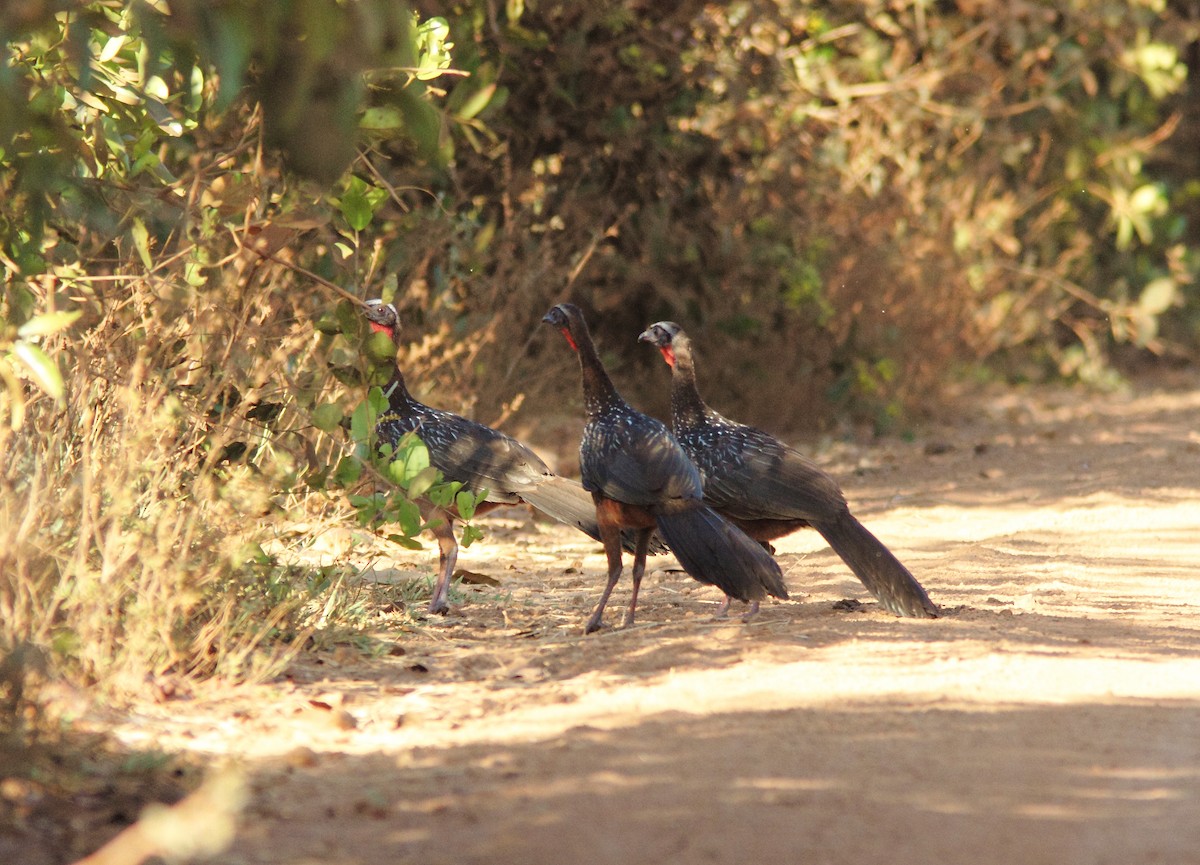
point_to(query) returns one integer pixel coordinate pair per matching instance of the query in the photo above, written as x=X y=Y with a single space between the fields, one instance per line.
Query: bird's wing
x=481 y=457
x=638 y=463
x=758 y=477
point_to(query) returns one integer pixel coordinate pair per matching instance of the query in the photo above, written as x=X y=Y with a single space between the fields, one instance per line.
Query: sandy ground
x=1052 y=715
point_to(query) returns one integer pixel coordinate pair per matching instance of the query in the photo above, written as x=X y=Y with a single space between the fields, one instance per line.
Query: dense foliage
x=848 y=205
x=168 y=408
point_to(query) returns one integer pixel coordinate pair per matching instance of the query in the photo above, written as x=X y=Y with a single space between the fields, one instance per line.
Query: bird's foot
x=439 y=607
x=751 y=612
x=723 y=610
x=594 y=624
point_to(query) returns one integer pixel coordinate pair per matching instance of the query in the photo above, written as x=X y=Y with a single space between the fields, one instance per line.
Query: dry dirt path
x=1051 y=716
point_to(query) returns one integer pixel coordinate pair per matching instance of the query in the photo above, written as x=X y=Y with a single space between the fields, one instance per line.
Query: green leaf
x=380 y=347
x=433 y=47
x=423 y=124
x=111 y=48
x=366 y=413
x=422 y=481
x=408 y=516
x=379 y=404
x=327 y=416
x=195 y=89
x=349 y=317
x=1157 y=297
x=409 y=543
x=443 y=494
x=193 y=274
x=466 y=501
x=361 y=422
x=395 y=472
x=412 y=458
x=383 y=118
x=348 y=471
x=359 y=202
x=368 y=507
x=16 y=395
x=141 y=242
x=47 y=323
x=328 y=324
x=42 y=369
x=476 y=102
x=252 y=552
x=470 y=534
x=1148 y=198
x=353 y=206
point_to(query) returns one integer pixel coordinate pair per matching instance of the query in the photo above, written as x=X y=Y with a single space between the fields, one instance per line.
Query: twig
x=320 y=280
x=1144 y=144
x=612 y=231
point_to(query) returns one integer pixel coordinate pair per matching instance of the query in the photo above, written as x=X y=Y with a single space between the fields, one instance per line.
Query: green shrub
x=847 y=204
x=159 y=375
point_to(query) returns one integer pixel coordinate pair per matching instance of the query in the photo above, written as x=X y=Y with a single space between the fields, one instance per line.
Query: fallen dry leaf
x=471 y=578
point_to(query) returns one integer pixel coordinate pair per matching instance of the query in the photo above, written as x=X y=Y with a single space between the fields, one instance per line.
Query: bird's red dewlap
x=381 y=328
x=570 y=340
x=668 y=354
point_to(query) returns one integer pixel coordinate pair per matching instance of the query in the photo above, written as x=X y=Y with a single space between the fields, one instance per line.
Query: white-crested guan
x=769 y=489
x=641 y=479
x=479 y=457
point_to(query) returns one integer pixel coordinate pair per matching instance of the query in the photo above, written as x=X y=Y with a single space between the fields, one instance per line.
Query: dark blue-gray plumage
x=769 y=489
x=641 y=479
x=480 y=458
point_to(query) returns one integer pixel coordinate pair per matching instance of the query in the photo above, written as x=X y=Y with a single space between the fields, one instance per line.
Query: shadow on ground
x=1084 y=783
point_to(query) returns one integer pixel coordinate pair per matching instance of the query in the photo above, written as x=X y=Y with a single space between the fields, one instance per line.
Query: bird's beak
x=646 y=336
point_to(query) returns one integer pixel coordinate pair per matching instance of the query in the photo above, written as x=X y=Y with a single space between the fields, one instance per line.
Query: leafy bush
x=139 y=490
x=871 y=197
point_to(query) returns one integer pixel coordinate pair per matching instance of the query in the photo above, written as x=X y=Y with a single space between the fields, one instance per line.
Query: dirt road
x=1051 y=716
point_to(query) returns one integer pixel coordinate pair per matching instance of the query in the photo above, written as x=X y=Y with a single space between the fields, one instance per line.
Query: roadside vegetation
x=851 y=205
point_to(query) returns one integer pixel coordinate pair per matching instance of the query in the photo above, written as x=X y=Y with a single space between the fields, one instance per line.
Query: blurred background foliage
x=850 y=206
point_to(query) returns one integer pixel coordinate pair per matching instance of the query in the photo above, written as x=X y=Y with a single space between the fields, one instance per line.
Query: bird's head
x=567 y=318
x=663 y=334
x=382 y=317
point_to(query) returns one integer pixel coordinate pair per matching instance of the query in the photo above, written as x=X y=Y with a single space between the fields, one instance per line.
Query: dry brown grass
x=133 y=514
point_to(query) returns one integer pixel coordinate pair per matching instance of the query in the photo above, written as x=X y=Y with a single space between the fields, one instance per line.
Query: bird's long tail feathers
x=565 y=500
x=714 y=551
x=880 y=571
